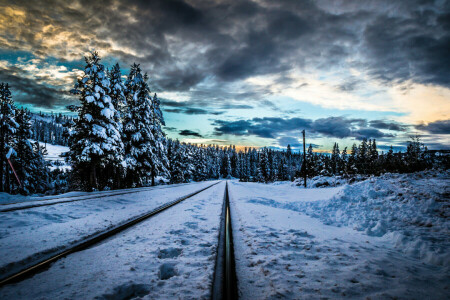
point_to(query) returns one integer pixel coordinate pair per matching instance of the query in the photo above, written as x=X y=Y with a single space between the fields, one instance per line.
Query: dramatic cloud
x=242 y=59
x=32 y=89
x=382 y=124
x=181 y=43
x=262 y=127
x=336 y=127
x=186 y=132
x=438 y=127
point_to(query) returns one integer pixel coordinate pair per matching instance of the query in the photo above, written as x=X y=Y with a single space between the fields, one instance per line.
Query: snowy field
x=383 y=238
x=54 y=156
x=41 y=231
x=169 y=256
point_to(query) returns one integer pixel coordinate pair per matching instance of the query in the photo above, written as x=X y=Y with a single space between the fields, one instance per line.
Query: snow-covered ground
x=29 y=234
x=54 y=156
x=384 y=238
x=169 y=256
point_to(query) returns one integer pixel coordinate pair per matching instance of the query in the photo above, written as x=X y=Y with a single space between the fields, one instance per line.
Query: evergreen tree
x=176 y=163
x=8 y=128
x=139 y=140
x=31 y=167
x=352 y=160
x=95 y=142
x=159 y=159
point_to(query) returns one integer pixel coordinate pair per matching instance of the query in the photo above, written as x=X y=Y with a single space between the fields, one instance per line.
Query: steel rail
x=146 y=188
x=224 y=279
x=90 y=197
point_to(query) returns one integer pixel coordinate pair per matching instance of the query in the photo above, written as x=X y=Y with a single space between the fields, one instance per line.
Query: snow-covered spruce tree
x=160 y=160
x=95 y=141
x=144 y=140
x=344 y=162
x=199 y=162
x=178 y=160
x=118 y=99
x=362 y=157
x=32 y=169
x=353 y=160
x=229 y=170
x=263 y=166
x=8 y=128
x=335 y=159
x=117 y=91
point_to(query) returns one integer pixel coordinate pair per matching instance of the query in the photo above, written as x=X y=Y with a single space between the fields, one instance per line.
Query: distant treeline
x=50 y=128
x=192 y=162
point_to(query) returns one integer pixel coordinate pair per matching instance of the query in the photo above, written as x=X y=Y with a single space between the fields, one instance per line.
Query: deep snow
x=383 y=238
x=282 y=252
x=30 y=234
x=169 y=256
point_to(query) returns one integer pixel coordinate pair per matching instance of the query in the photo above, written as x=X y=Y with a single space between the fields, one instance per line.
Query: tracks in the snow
x=37 y=267
x=225 y=280
x=81 y=198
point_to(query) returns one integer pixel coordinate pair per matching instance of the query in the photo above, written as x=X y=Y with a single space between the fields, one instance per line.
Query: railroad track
x=90 y=197
x=36 y=267
x=225 y=281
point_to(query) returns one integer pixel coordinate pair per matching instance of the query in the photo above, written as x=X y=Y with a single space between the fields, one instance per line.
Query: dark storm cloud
x=184 y=44
x=389 y=125
x=437 y=127
x=193 y=111
x=187 y=132
x=31 y=91
x=413 y=46
x=337 y=127
x=262 y=127
x=370 y=133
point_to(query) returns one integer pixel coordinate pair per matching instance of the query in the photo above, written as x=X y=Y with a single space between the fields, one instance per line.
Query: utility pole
x=304 y=157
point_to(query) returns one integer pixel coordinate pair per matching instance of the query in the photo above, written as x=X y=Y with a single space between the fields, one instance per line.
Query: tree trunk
x=93 y=178
x=153 y=176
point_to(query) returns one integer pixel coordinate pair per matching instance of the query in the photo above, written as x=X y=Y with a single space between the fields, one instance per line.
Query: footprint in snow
x=169 y=253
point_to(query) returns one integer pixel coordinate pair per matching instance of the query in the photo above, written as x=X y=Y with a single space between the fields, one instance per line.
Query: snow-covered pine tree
x=145 y=143
x=8 y=128
x=138 y=123
x=263 y=166
x=95 y=142
x=118 y=99
x=31 y=167
x=199 y=162
x=335 y=159
x=176 y=166
x=344 y=161
x=362 y=156
x=290 y=175
x=117 y=92
x=159 y=160
x=353 y=160
x=310 y=162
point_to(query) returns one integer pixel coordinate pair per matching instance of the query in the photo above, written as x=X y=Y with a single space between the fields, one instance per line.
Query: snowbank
x=411 y=210
x=328 y=181
x=281 y=253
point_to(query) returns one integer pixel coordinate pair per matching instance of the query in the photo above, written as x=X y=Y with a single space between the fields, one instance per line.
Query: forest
x=116 y=141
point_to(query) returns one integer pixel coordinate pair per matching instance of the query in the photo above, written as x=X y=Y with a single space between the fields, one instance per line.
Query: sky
x=249 y=72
